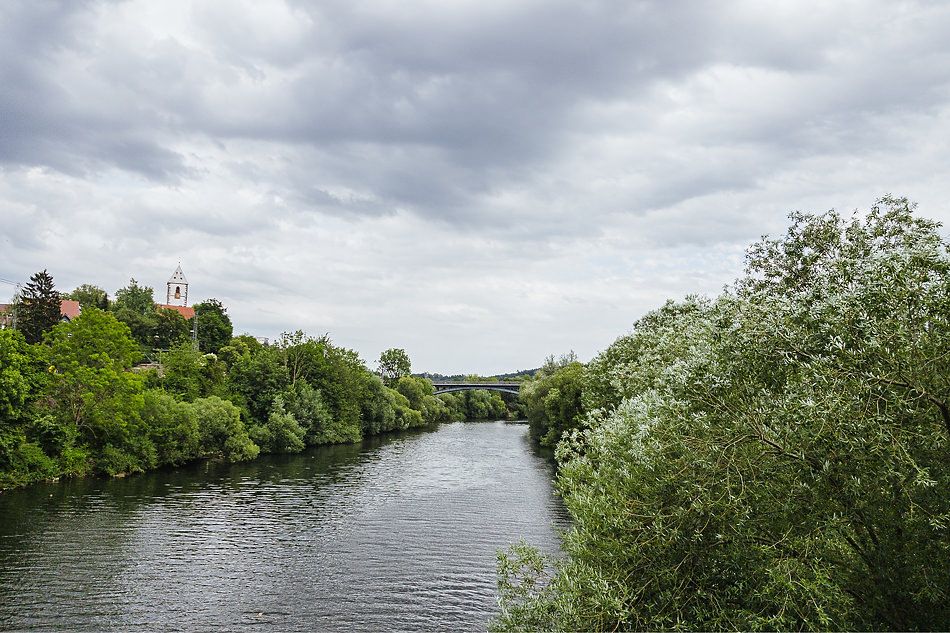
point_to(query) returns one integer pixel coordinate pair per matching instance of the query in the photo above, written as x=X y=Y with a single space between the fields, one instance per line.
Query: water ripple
x=400 y=533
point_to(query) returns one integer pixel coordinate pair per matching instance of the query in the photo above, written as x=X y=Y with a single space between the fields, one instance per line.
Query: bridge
x=449 y=387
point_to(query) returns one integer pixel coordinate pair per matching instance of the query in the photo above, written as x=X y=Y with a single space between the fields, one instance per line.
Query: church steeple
x=177 y=294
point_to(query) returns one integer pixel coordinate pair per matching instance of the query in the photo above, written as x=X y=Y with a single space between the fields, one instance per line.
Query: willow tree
x=774 y=459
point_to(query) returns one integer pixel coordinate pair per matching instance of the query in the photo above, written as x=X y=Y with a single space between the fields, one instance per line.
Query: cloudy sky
x=480 y=182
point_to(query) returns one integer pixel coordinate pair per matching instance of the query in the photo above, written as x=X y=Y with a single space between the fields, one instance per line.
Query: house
x=68 y=310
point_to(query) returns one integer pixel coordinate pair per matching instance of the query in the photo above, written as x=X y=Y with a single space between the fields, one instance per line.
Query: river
x=399 y=533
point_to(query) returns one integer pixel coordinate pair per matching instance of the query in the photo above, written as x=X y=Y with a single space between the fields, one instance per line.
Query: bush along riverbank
x=775 y=458
x=71 y=404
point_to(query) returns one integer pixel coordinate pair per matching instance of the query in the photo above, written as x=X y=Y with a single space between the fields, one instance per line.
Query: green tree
x=16 y=376
x=223 y=434
x=259 y=378
x=173 y=428
x=552 y=401
x=184 y=372
x=135 y=298
x=377 y=413
x=307 y=406
x=21 y=461
x=280 y=432
x=169 y=328
x=773 y=459
x=393 y=364
x=214 y=325
x=37 y=307
x=415 y=390
x=405 y=416
x=339 y=374
x=296 y=354
x=239 y=347
x=92 y=394
x=134 y=306
x=434 y=410
x=90 y=296
x=456 y=409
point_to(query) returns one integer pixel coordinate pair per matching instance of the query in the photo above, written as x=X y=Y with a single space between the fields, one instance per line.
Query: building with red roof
x=185 y=311
x=68 y=310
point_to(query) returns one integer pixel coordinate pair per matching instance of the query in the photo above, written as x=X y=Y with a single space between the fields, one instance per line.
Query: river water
x=399 y=533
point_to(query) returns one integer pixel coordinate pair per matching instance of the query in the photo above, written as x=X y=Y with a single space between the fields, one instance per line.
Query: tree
x=393 y=364
x=92 y=395
x=237 y=348
x=38 y=307
x=170 y=328
x=377 y=412
x=223 y=434
x=214 y=325
x=17 y=382
x=294 y=349
x=16 y=371
x=183 y=372
x=339 y=374
x=307 y=406
x=259 y=378
x=552 y=401
x=90 y=296
x=280 y=432
x=774 y=459
x=134 y=305
x=173 y=427
x=415 y=390
x=405 y=416
x=136 y=298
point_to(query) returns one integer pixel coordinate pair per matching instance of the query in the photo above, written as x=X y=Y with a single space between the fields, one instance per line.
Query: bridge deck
x=508 y=387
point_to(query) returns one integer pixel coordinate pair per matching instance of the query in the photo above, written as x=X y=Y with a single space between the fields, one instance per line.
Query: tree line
x=774 y=458
x=73 y=401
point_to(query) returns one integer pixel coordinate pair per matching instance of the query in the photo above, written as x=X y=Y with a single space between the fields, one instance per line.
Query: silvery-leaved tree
x=778 y=458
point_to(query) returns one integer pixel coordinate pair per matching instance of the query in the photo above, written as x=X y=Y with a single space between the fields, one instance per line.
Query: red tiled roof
x=69 y=308
x=185 y=311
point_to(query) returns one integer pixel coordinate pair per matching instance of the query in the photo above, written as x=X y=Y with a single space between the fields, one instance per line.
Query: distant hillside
x=515 y=375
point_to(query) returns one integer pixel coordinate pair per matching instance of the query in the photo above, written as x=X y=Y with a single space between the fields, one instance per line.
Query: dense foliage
x=776 y=458
x=90 y=296
x=213 y=325
x=552 y=399
x=150 y=326
x=74 y=403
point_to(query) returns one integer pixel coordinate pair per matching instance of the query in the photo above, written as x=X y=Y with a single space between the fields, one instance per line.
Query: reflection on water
x=399 y=533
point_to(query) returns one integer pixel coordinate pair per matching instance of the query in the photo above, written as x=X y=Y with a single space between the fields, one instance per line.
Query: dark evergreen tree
x=38 y=307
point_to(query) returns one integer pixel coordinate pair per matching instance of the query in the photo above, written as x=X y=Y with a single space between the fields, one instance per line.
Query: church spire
x=177 y=293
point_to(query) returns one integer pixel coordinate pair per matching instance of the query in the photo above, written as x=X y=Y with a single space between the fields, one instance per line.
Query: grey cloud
x=41 y=122
x=357 y=161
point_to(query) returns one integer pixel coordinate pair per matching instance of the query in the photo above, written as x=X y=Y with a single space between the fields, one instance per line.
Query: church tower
x=177 y=289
